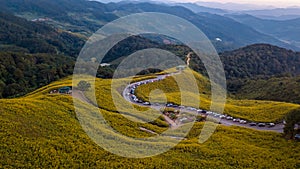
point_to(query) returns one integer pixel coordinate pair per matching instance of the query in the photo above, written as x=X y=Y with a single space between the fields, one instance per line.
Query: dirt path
x=79 y=95
x=149 y=131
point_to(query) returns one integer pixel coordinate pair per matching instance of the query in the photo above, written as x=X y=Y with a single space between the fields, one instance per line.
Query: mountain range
x=85 y=17
x=286 y=30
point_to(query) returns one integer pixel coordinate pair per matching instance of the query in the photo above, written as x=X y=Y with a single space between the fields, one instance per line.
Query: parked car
x=236 y=120
x=193 y=109
x=271 y=124
x=203 y=111
x=222 y=116
x=243 y=122
x=190 y=108
x=175 y=106
x=209 y=112
x=169 y=104
x=133 y=97
x=229 y=118
x=217 y=115
x=252 y=124
x=297 y=136
x=261 y=125
x=146 y=103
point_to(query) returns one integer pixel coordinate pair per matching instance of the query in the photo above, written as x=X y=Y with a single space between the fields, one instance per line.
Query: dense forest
x=263 y=72
x=22 y=73
x=33 y=54
x=284 y=89
x=77 y=16
x=20 y=35
x=261 y=60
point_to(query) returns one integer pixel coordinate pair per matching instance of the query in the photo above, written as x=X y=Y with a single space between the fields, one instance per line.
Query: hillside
x=78 y=16
x=41 y=131
x=263 y=72
x=20 y=35
x=278 y=89
x=33 y=54
x=260 y=60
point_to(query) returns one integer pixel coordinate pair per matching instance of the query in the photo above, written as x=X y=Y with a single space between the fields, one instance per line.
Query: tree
x=84 y=85
x=291 y=119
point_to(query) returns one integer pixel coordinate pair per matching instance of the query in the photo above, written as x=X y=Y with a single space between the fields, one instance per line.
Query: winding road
x=174 y=124
x=128 y=95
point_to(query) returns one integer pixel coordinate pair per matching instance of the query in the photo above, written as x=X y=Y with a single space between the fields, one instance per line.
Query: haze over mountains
x=85 y=17
x=263 y=12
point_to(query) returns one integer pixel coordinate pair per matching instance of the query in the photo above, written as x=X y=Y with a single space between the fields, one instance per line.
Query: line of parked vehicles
x=135 y=99
x=132 y=89
x=222 y=116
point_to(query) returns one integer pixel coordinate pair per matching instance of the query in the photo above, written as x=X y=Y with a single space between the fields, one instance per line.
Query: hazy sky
x=277 y=3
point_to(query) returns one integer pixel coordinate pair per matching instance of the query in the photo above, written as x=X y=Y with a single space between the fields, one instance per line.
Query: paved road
x=127 y=96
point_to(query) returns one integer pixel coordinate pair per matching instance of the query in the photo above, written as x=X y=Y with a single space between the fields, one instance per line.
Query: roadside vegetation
x=292 y=126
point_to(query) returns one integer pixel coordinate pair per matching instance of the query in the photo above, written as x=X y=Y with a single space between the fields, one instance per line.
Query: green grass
x=42 y=131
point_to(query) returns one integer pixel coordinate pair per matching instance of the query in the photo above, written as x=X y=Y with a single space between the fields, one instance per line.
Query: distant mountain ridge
x=231 y=6
x=287 y=30
x=85 y=17
x=197 y=8
x=277 y=13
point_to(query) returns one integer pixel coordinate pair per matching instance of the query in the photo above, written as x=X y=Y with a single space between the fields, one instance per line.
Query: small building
x=65 y=90
x=181 y=67
x=104 y=64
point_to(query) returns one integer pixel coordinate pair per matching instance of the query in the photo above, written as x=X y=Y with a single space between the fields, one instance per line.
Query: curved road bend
x=277 y=128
